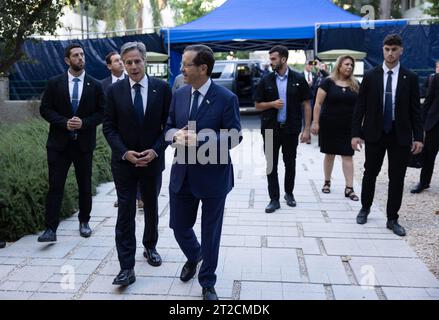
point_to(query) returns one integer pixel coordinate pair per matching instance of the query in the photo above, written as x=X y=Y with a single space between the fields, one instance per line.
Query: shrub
x=24 y=177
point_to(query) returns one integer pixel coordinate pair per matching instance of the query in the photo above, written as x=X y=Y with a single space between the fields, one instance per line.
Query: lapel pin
x=88 y=83
x=405 y=77
x=153 y=90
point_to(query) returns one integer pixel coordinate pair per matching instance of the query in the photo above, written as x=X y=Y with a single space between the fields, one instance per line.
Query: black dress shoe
x=209 y=294
x=419 y=188
x=396 y=227
x=2 y=244
x=362 y=215
x=272 y=206
x=152 y=256
x=189 y=270
x=290 y=200
x=125 y=277
x=48 y=236
x=84 y=229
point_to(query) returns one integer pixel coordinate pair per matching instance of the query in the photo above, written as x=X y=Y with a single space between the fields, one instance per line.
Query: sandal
x=327 y=187
x=349 y=193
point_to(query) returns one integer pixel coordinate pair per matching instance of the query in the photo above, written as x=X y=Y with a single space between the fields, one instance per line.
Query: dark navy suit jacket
x=123 y=132
x=218 y=110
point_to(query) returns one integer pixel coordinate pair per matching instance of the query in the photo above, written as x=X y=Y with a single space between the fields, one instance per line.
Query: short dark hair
x=282 y=50
x=69 y=48
x=109 y=55
x=393 y=40
x=204 y=56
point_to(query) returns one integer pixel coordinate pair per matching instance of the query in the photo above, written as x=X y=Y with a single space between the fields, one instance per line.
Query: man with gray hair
x=136 y=115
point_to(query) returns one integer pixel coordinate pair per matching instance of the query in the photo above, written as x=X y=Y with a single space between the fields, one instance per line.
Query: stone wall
x=12 y=111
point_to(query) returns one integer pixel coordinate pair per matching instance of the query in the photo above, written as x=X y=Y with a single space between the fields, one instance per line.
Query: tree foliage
x=354 y=6
x=189 y=10
x=433 y=10
x=19 y=20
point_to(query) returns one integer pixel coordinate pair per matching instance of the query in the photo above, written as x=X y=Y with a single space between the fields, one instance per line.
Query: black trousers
x=59 y=163
x=127 y=178
x=398 y=157
x=430 y=151
x=288 y=142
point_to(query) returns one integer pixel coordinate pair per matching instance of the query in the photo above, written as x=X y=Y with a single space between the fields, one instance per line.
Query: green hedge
x=24 y=177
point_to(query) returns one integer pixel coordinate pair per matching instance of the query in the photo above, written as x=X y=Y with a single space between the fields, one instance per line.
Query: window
x=223 y=71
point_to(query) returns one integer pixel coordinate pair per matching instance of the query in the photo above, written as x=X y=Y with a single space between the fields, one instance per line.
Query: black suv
x=239 y=76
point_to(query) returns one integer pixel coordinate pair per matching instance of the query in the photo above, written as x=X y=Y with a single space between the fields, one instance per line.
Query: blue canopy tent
x=254 y=25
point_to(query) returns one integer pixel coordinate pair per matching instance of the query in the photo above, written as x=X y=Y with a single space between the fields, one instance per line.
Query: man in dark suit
x=115 y=65
x=429 y=80
x=196 y=109
x=431 y=127
x=311 y=78
x=388 y=117
x=73 y=104
x=135 y=117
x=280 y=96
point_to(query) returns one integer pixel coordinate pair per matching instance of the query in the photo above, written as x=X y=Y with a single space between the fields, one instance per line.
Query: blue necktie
x=138 y=103
x=75 y=95
x=387 y=125
x=194 y=108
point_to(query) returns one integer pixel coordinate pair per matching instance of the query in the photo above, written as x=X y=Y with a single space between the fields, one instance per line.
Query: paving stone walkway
x=312 y=251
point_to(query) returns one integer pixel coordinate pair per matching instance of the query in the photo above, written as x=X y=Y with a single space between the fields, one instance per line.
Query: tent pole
x=316 y=26
x=169 y=53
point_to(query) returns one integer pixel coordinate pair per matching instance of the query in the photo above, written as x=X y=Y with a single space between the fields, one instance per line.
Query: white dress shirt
x=80 y=85
x=115 y=79
x=203 y=91
x=394 y=85
x=143 y=90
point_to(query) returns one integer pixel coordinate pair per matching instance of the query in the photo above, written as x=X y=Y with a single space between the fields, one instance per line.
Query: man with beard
x=73 y=104
x=387 y=117
x=280 y=96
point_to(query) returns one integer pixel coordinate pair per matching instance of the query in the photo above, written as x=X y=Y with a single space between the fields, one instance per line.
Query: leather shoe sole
x=271 y=209
x=126 y=282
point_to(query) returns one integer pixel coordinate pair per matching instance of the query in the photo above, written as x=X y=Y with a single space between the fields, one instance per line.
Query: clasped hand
x=140 y=159
x=185 y=137
x=74 y=123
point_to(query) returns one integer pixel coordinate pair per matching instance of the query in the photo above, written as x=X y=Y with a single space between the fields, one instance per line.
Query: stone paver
x=312 y=251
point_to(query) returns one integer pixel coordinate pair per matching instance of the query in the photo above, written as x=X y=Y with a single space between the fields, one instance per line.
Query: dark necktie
x=75 y=95
x=138 y=103
x=194 y=108
x=387 y=125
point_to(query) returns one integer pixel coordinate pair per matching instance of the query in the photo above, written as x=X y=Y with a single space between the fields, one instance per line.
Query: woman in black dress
x=335 y=102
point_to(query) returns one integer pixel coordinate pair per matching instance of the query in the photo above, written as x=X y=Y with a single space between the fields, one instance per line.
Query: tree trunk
x=139 y=15
x=385 y=9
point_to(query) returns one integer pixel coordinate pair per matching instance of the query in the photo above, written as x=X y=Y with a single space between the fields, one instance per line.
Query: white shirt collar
x=204 y=88
x=395 y=70
x=80 y=77
x=143 y=82
x=114 y=78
